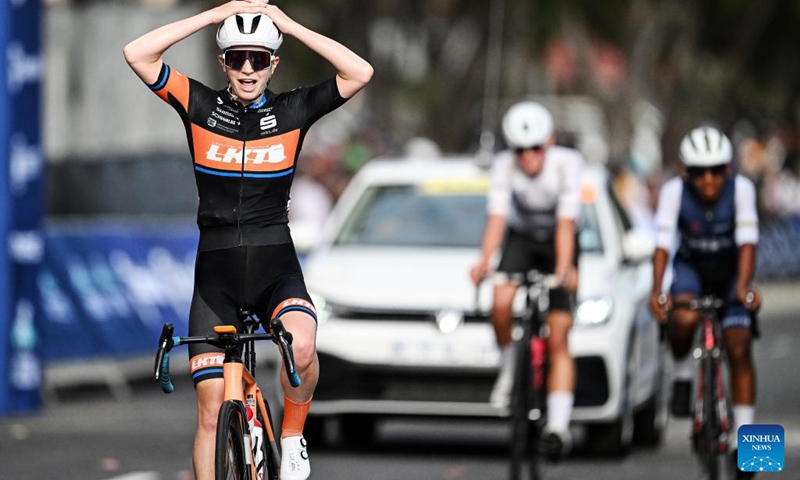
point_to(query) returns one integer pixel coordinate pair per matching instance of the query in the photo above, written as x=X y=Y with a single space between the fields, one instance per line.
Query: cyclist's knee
x=504 y=296
x=739 y=353
x=303 y=328
x=304 y=350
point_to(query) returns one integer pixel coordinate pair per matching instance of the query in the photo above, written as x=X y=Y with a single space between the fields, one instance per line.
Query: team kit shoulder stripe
x=264 y=157
x=171 y=82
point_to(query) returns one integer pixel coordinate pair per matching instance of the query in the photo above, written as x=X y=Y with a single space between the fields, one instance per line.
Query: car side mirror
x=638 y=246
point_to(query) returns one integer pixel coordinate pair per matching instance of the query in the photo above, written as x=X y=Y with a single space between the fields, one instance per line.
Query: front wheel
x=711 y=424
x=520 y=406
x=230 y=459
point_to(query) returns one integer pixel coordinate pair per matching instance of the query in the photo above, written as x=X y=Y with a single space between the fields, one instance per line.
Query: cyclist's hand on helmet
x=280 y=19
x=568 y=276
x=479 y=271
x=749 y=296
x=233 y=7
x=660 y=304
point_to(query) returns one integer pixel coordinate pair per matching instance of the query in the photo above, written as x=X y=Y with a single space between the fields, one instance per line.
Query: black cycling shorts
x=264 y=279
x=522 y=253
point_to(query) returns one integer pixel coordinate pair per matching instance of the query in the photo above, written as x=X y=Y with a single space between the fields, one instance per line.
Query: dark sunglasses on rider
x=535 y=148
x=259 y=59
x=697 y=172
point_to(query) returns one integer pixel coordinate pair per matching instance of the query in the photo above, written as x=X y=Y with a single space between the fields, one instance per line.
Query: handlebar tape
x=163 y=378
x=294 y=379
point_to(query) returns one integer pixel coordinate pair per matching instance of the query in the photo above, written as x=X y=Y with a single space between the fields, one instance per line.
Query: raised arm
x=144 y=54
x=352 y=71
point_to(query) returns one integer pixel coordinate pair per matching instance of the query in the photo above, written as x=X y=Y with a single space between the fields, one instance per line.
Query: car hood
x=393 y=278
x=417 y=279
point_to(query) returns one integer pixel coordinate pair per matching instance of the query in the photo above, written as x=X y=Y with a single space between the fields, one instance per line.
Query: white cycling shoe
x=294 y=459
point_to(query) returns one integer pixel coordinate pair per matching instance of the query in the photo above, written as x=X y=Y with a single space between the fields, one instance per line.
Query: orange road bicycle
x=246 y=448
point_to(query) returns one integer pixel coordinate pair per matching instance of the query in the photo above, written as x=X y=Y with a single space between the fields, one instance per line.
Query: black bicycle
x=711 y=420
x=529 y=394
x=246 y=448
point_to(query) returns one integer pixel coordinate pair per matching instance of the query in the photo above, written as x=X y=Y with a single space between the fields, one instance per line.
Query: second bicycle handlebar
x=226 y=341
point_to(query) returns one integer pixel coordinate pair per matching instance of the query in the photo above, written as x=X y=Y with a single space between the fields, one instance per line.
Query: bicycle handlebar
x=167 y=341
x=702 y=303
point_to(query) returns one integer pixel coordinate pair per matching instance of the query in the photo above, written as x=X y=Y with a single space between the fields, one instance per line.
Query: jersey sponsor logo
x=219 y=101
x=223 y=118
x=256 y=156
x=211 y=122
x=709 y=244
x=268 y=122
x=218 y=152
x=207 y=360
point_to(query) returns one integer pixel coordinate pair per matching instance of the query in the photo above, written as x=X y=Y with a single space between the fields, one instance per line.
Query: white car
x=399 y=331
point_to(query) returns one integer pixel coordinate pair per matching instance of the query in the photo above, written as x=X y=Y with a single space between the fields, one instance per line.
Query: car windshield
x=415 y=216
x=419 y=216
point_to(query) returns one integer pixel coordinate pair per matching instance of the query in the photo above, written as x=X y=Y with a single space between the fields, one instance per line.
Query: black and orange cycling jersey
x=244 y=156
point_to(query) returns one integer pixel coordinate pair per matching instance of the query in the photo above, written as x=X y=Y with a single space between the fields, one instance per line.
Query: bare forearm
x=146 y=51
x=747 y=264
x=353 y=72
x=492 y=235
x=660 y=258
x=565 y=243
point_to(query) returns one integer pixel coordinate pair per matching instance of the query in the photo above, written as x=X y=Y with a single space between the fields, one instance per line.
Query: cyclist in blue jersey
x=710 y=216
x=245 y=141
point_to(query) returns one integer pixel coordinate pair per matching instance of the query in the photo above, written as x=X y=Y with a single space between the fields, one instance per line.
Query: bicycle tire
x=537 y=400
x=271 y=470
x=520 y=402
x=711 y=424
x=230 y=458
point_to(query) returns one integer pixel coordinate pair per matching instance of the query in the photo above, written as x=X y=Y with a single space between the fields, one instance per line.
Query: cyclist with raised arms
x=710 y=216
x=245 y=140
x=532 y=209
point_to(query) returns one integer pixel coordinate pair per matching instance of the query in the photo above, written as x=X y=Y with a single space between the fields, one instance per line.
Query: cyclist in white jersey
x=533 y=208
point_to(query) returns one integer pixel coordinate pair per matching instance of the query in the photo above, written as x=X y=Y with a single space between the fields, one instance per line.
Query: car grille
x=342 y=380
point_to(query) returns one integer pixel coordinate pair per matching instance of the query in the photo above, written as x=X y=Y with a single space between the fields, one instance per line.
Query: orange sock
x=294 y=417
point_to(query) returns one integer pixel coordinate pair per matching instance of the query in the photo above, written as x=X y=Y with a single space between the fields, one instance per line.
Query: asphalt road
x=149 y=436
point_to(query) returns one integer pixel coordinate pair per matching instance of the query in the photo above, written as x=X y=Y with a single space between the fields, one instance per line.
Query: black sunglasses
x=697 y=172
x=535 y=148
x=259 y=59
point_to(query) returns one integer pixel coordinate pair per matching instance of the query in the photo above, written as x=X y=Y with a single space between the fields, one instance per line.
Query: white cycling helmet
x=527 y=124
x=249 y=29
x=705 y=147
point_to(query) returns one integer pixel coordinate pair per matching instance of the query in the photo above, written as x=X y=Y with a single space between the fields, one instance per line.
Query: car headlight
x=593 y=312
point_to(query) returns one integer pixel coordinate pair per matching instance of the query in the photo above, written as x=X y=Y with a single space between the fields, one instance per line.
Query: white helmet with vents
x=705 y=147
x=527 y=124
x=249 y=29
